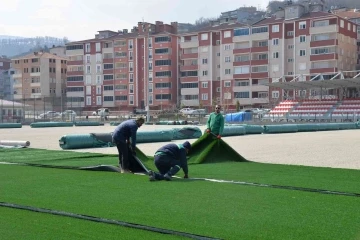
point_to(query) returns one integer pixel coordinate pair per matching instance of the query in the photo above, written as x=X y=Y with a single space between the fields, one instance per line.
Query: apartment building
x=231 y=62
x=125 y=70
x=352 y=15
x=5 y=79
x=4 y=63
x=39 y=75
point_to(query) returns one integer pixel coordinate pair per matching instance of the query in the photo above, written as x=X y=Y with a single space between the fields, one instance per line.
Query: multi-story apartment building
x=39 y=75
x=125 y=70
x=232 y=62
x=352 y=15
x=5 y=79
x=4 y=63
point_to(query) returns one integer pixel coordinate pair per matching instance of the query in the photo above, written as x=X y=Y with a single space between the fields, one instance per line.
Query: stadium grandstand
x=329 y=97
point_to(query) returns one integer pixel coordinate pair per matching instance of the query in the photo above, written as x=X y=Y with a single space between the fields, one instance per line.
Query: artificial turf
x=226 y=211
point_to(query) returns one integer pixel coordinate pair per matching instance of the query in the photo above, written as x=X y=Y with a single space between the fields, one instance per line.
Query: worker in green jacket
x=215 y=123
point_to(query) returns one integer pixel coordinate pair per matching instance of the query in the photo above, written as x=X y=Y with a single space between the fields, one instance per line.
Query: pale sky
x=81 y=19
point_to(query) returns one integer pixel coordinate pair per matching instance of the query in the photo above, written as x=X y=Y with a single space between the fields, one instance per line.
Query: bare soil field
x=335 y=149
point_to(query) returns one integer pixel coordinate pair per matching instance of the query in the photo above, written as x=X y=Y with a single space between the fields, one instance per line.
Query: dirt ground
x=336 y=149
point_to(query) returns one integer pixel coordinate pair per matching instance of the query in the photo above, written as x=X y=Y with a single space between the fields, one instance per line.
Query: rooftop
x=40 y=55
x=349 y=14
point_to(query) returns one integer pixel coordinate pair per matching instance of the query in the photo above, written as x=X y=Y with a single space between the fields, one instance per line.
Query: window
x=290 y=33
x=242 y=70
x=259 y=69
x=88 y=69
x=241 y=83
x=290 y=46
x=131 y=43
x=242 y=58
x=342 y=23
x=131 y=88
x=227 y=47
x=204 y=96
x=204 y=36
x=275 y=94
x=130 y=55
x=217 y=42
x=131 y=66
x=87 y=47
x=227 y=71
x=204 y=61
x=150 y=42
x=227 y=59
x=290 y=60
x=108 y=88
x=242 y=32
x=98 y=48
x=218 y=89
x=88 y=79
x=87 y=58
x=241 y=95
x=302 y=39
x=263 y=44
x=98 y=100
x=302 y=53
x=98 y=79
x=163 y=85
x=108 y=98
x=131 y=77
x=151 y=99
x=98 y=90
x=88 y=100
x=349 y=26
x=189 y=85
x=227 y=84
x=227 y=34
x=255 y=30
x=275 y=28
x=276 y=55
x=163 y=39
x=275 y=41
x=290 y=73
x=161 y=97
x=205 y=73
x=131 y=99
x=108 y=77
x=75 y=79
x=150 y=87
x=204 y=84
x=302 y=25
x=150 y=76
x=98 y=68
x=354 y=28
x=98 y=57
x=150 y=65
x=165 y=74
x=74 y=47
x=108 y=66
x=161 y=51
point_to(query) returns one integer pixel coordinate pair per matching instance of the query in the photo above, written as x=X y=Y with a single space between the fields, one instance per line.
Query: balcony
x=260 y=36
x=189 y=44
x=35 y=84
x=108 y=60
x=260 y=75
x=189 y=67
x=35 y=74
x=189 y=91
x=17 y=85
x=329 y=42
x=242 y=76
x=75 y=94
x=75 y=52
x=259 y=49
x=241 y=50
x=189 y=79
x=242 y=38
x=324 y=29
x=189 y=55
x=321 y=57
x=77 y=62
x=323 y=70
x=242 y=63
x=108 y=71
x=260 y=62
x=108 y=50
x=75 y=73
x=17 y=75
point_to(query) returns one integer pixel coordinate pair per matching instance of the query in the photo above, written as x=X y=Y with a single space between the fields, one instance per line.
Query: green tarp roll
x=307 y=127
x=79 y=141
x=186 y=133
x=285 y=128
x=345 y=126
x=328 y=126
x=233 y=131
x=10 y=125
x=254 y=129
x=154 y=136
x=87 y=123
x=51 y=124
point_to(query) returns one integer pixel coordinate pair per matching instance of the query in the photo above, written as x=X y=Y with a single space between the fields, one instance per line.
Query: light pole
x=146 y=48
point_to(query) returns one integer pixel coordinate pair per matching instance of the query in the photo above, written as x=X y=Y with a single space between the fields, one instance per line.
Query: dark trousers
x=123 y=150
x=164 y=164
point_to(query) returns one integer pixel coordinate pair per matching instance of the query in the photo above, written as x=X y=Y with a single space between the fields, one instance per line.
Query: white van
x=103 y=112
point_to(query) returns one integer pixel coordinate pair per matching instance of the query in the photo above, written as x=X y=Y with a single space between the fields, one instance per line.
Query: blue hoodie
x=177 y=154
x=125 y=131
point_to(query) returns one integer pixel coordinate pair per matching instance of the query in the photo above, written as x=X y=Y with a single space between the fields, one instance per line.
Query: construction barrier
x=51 y=124
x=10 y=125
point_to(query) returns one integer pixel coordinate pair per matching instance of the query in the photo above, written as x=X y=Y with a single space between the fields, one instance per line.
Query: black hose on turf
x=108 y=221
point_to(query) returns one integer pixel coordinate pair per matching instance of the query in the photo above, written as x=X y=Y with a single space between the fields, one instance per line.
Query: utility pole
x=146 y=77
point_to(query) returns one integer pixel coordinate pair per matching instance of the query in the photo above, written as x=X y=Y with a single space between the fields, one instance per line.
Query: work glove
x=208 y=130
x=186 y=176
x=219 y=136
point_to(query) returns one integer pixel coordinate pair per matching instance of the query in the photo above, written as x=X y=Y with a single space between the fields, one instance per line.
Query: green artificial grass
x=18 y=224
x=208 y=149
x=226 y=211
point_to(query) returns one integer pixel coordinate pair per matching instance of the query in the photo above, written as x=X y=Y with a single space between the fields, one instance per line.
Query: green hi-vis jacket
x=216 y=123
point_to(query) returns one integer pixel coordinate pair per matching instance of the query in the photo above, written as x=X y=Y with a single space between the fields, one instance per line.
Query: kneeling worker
x=169 y=159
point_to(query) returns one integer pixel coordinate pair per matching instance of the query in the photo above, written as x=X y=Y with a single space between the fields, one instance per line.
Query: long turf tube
x=104 y=220
x=280 y=187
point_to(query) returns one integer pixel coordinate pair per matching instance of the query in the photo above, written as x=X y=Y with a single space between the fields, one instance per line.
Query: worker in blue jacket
x=169 y=159
x=124 y=137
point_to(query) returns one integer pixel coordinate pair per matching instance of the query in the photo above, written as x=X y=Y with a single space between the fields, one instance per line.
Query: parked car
x=103 y=112
x=68 y=114
x=49 y=115
x=186 y=110
x=198 y=112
